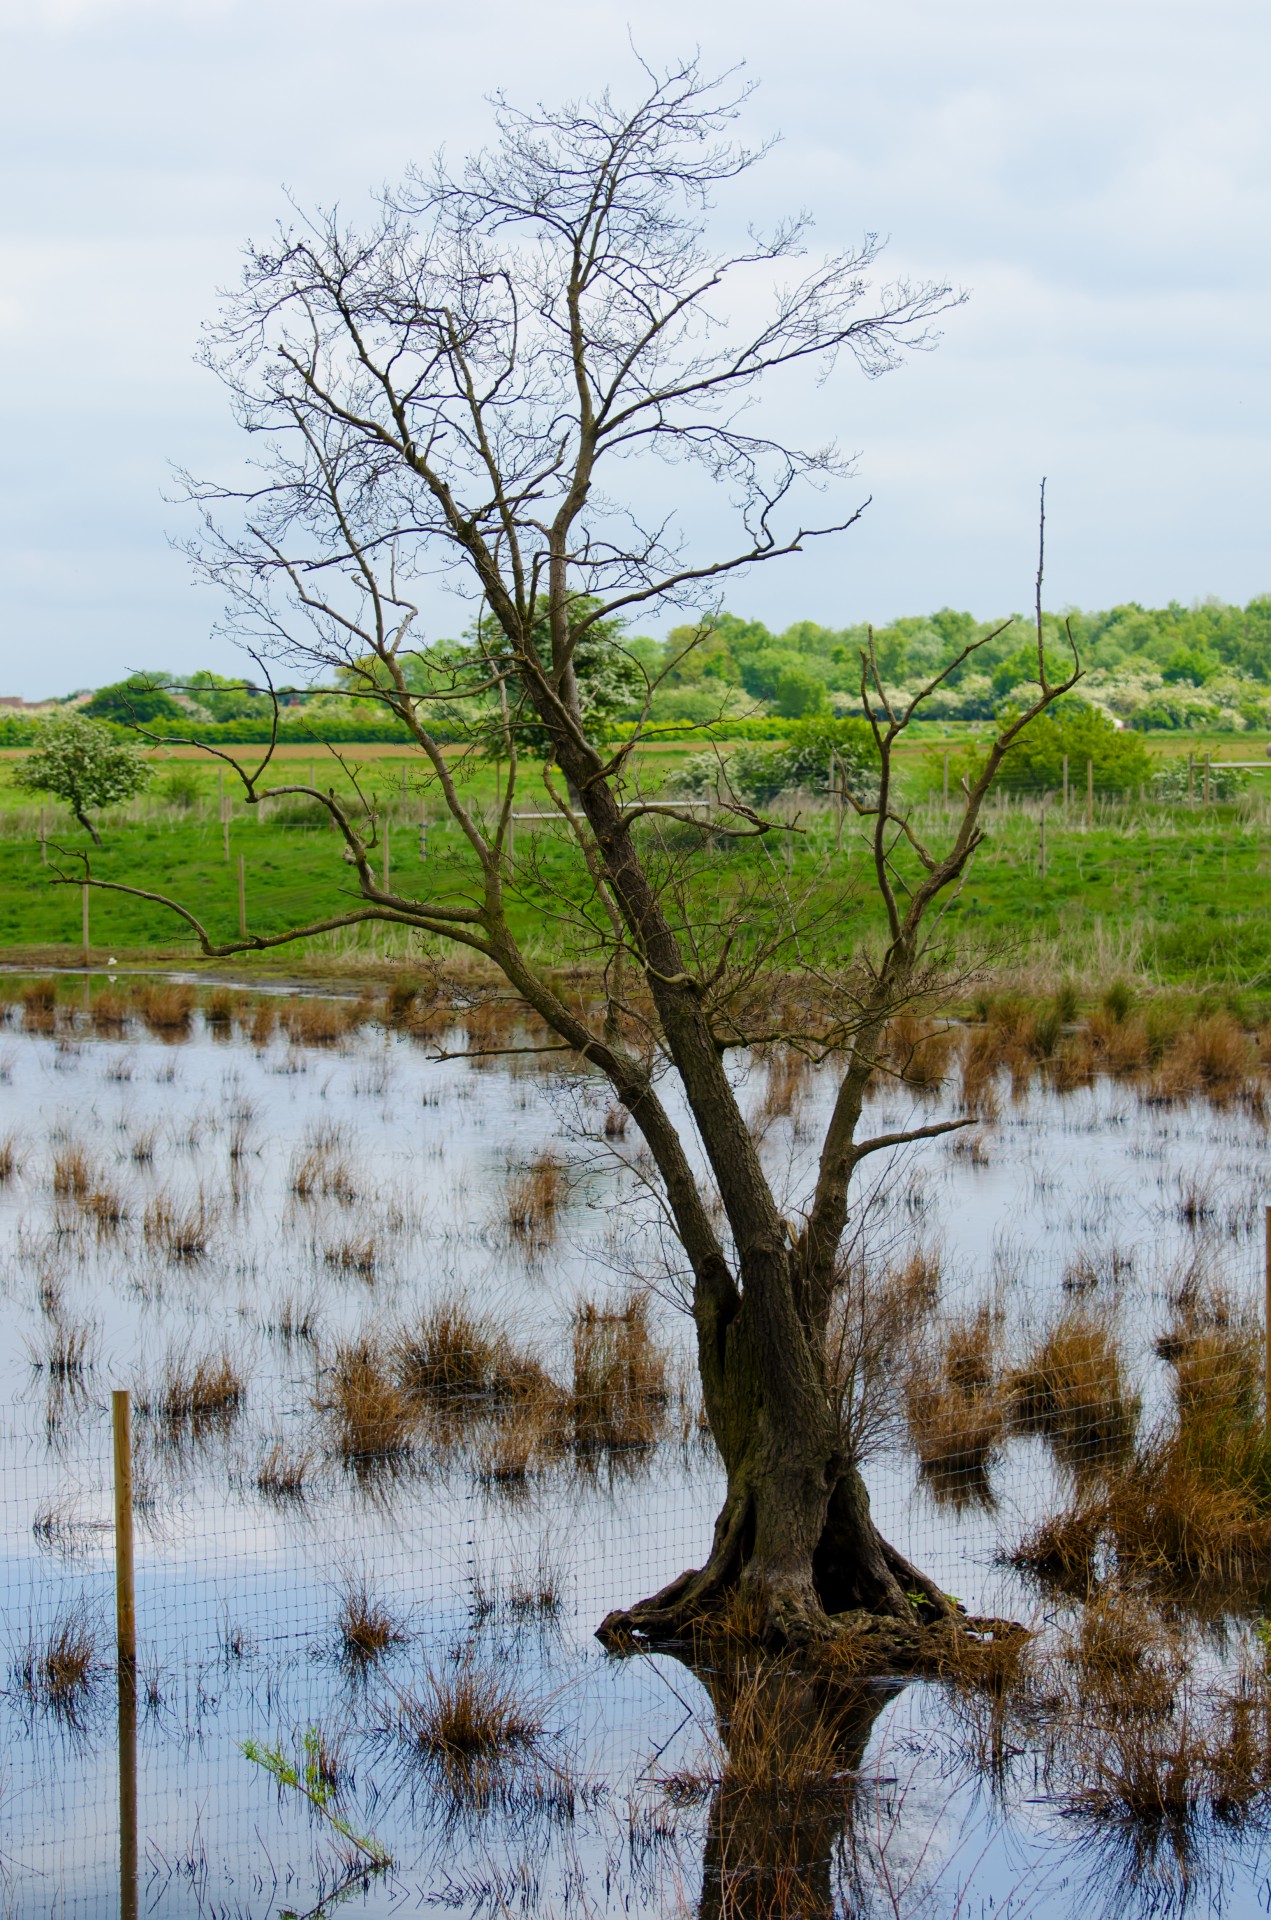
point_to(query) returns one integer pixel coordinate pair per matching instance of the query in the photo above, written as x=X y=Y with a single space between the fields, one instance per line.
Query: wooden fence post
x=1065 y=783
x=1206 y=779
x=1089 y=794
x=44 y=840
x=126 y=1651
x=242 y=896
x=1191 y=780
x=84 y=920
x=1041 y=839
x=385 y=869
x=423 y=829
x=946 y=783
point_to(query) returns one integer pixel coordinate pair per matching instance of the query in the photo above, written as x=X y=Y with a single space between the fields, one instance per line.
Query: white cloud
x=1099 y=174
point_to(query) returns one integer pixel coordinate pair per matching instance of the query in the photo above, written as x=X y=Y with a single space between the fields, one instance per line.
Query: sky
x=1096 y=176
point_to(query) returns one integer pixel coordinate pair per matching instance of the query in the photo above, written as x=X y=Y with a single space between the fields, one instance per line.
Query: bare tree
x=455 y=391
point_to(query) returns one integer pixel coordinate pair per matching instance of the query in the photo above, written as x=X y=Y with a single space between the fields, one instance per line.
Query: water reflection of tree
x=782 y=1777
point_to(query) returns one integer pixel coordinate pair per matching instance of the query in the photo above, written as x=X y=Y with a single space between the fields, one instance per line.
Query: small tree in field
x=82 y=763
x=462 y=389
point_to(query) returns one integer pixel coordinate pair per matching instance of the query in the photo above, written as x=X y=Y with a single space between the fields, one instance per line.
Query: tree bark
x=794 y=1536
x=88 y=826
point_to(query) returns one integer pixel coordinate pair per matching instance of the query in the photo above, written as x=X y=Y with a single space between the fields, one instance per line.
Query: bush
x=759 y=774
x=1078 y=732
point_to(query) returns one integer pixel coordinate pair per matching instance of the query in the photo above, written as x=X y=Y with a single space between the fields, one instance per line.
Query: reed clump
x=39 y=1005
x=319 y=1023
x=1072 y=1387
x=371 y=1418
x=955 y=1403
x=366 y=1628
x=535 y=1198
x=181 y=1229
x=109 y=1012
x=358 y=1253
x=919 y=1051
x=166 y=1007
x=618 y=1392
x=469 y=1723
x=450 y=1353
x=1212 y=1059
x=58 y=1671
x=283 y=1472
x=198 y=1395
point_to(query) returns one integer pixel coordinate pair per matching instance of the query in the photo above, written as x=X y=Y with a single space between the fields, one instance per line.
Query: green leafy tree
x=799 y=692
x=133 y=702
x=80 y=761
x=1078 y=732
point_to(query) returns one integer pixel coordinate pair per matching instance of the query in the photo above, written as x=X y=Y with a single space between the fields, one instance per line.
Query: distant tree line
x=1169 y=668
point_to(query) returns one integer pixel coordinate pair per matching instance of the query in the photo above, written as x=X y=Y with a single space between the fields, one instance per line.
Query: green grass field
x=1170 y=894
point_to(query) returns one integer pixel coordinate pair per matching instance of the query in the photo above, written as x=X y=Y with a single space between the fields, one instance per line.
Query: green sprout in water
x=320 y=1793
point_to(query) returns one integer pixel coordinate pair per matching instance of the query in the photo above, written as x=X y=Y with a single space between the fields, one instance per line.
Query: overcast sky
x=1096 y=173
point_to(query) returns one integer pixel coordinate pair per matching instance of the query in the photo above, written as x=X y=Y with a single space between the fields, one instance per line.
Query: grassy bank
x=1166 y=894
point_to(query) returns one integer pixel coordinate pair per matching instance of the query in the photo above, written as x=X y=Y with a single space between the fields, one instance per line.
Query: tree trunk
x=795 y=1536
x=88 y=826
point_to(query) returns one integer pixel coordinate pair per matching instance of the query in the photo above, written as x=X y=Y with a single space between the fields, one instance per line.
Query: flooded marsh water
x=224 y=1219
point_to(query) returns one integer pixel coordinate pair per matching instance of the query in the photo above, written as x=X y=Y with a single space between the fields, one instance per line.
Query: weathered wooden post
x=126 y=1651
x=242 y=897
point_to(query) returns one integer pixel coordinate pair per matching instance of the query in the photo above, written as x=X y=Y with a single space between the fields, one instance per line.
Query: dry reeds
x=451 y=1353
x=371 y=1417
x=109 y=1011
x=39 y=1005
x=319 y=1023
x=365 y=1626
x=262 y=1022
x=954 y=1401
x=58 y=1672
x=322 y=1170
x=619 y=1386
x=1214 y=1059
x=919 y=1050
x=282 y=1472
x=10 y=1158
x=1072 y=1387
x=353 y=1253
x=534 y=1200
x=181 y=1229
x=469 y=1725
x=64 y=1350
x=197 y=1395
x=166 y=1007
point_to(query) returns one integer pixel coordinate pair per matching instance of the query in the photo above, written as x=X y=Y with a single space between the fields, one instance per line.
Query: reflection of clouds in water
x=428 y=1148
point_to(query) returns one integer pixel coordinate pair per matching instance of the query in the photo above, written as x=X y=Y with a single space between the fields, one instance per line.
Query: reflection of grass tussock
x=1071 y=1386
